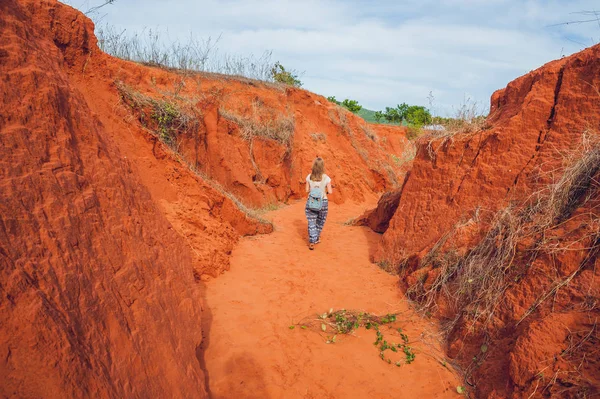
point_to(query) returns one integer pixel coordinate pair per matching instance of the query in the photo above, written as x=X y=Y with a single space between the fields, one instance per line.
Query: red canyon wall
x=538 y=125
x=106 y=233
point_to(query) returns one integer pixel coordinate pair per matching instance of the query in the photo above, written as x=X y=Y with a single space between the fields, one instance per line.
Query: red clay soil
x=92 y=274
x=107 y=234
x=538 y=124
x=275 y=282
x=259 y=171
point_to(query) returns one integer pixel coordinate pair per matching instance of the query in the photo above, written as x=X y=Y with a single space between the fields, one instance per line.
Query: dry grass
x=150 y=48
x=339 y=117
x=474 y=285
x=572 y=188
x=251 y=213
x=265 y=123
x=319 y=137
x=468 y=119
x=167 y=117
x=369 y=132
x=407 y=156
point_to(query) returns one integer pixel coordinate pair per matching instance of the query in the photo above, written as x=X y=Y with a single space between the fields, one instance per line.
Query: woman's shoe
x=318 y=241
x=311 y=246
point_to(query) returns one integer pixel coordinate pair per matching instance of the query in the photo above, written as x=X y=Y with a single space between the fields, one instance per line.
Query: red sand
x=274 y=282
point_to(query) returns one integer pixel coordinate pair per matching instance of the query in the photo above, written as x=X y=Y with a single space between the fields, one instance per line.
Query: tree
x=417 y=115
x=402 y=110
x=351 y=105
x=379 y=116
x=281 y=75
x=414 y=115
x=393 y=115
x=333 y=100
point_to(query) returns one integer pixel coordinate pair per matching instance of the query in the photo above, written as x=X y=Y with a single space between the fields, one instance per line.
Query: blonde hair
x=318 y=168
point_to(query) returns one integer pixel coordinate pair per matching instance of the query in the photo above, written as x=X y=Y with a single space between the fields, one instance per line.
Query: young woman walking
x=318 y=185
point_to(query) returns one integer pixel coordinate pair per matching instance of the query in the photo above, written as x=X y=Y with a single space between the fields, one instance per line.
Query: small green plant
x=165 y=117
x=166 y=114
x=346 y=322
x=281 y=75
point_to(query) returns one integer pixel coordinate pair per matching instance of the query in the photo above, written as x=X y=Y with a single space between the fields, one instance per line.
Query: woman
x=317 y=183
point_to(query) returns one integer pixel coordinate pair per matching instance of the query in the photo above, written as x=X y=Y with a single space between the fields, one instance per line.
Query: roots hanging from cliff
x=469 y=288
x=573 y=188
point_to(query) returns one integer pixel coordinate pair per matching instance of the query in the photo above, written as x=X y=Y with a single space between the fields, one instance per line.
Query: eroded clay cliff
x=112 y=215
x=496 y=233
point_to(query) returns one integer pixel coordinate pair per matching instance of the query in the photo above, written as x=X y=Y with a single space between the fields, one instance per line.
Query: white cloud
x=380 y=53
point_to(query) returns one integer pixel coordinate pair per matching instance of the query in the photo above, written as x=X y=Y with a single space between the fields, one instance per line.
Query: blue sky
x=380 y=53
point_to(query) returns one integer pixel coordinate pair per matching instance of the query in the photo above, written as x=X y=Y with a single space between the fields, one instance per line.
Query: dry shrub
x=468 y=119
x=194 y=54
x=166 y=117
x=407 y=156
x=573 y=187
x=264 y=122
x=473 y=285
x=387 y=168
x=342 y=120
x=251 y=213
x=319 y=137
x=414 y=132
x=166 y=120
x=369 y=132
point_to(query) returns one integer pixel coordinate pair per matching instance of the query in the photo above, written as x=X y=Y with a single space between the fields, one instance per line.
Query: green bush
x=351 y=105
x=281 y=75
x=415 y=115
x=333 y=100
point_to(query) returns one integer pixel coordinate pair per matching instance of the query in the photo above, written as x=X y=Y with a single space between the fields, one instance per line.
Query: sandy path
x=276 y=281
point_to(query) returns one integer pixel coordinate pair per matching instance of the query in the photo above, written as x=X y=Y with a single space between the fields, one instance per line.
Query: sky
x=440 y=54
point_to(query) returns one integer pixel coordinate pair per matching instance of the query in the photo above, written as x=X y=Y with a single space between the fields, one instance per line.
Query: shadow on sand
x=245 y=376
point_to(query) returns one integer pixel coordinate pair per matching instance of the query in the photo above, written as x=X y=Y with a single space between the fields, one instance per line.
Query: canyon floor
x=275 y=282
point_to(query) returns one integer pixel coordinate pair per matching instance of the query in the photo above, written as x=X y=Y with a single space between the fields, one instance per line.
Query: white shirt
x=325 y=180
